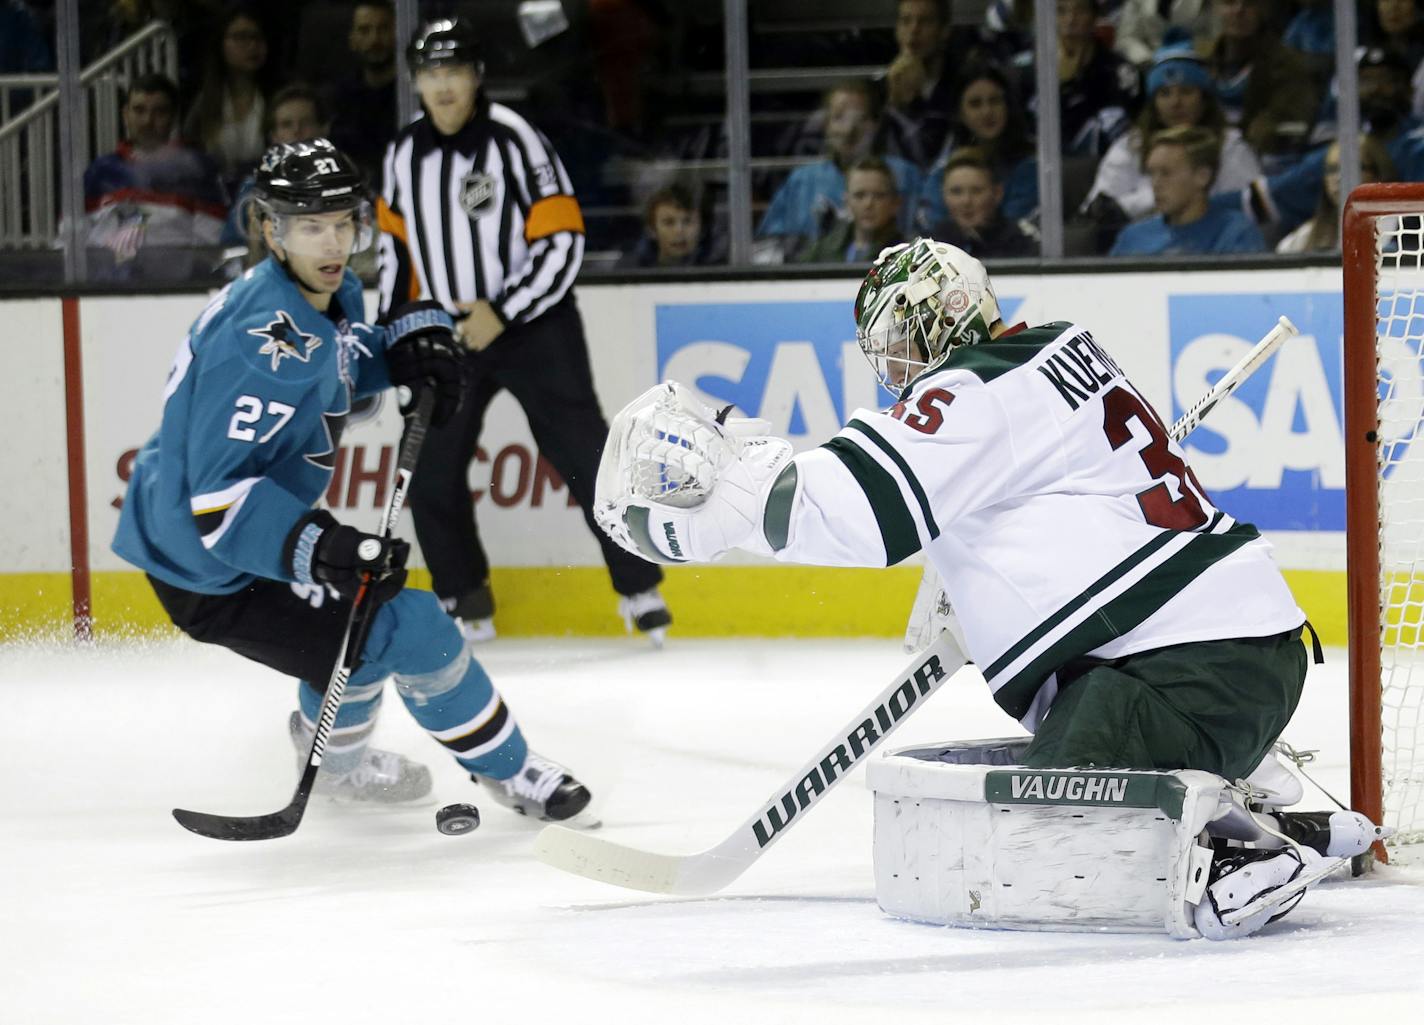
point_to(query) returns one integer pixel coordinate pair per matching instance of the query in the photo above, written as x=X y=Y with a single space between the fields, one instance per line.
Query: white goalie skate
x=1249 y=889
x=381 y=777
x=541 y=789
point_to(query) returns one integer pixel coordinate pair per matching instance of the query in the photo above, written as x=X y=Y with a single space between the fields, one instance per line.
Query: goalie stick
x=358 y=626
x=710 y=870
x=1232 y=379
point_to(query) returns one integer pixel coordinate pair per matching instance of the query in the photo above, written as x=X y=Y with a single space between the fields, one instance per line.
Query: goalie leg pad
x=991 y=845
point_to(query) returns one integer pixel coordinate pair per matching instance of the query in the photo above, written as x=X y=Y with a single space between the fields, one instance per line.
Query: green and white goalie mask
x=919 y=301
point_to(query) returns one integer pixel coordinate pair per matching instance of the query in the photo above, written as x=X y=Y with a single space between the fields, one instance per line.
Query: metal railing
x=33 y=177
x=29 y=122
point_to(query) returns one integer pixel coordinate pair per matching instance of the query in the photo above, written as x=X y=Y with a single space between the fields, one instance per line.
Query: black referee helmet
x=447 y=41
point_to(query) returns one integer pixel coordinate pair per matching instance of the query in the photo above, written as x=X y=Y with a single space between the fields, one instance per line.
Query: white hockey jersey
x=1059 y=514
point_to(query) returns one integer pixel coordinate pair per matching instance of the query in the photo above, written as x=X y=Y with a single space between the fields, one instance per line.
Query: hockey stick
x=926 y=597
x=1232 y=379
x=358 y=626
x=708 y=871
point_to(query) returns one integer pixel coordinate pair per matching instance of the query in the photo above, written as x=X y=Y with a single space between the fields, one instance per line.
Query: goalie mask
x=919 y=301
x=297 y=180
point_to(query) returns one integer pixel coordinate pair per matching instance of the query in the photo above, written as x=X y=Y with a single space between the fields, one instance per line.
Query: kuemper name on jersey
x=841 y=758
x=1079 y=369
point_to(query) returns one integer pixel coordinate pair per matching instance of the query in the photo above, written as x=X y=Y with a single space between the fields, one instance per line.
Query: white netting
x=1400 y=352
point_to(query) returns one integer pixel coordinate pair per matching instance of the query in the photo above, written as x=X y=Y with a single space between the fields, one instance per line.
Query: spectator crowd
x=1187 y=126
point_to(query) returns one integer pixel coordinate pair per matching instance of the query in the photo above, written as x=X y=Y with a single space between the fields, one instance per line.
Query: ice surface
x=111 y=913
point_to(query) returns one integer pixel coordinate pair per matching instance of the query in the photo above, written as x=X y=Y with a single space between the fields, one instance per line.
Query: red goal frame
x=1362 y=511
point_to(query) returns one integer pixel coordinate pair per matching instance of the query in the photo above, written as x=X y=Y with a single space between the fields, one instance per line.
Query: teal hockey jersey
x=252 y=415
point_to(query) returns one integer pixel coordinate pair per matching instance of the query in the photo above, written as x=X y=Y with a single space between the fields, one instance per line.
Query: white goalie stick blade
x=710 y=870
x=1309 y=876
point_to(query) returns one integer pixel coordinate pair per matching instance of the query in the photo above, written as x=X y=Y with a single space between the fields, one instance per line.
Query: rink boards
x=785 y=351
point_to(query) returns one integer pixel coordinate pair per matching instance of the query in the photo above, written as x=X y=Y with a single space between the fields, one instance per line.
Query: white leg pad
x=1005 y=847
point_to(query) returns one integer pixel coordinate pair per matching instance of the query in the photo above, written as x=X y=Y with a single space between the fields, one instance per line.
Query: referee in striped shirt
x=478 y=213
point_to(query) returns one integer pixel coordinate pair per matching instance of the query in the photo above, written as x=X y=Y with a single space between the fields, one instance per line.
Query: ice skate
x=647 y=613
x=1250 y=889
x=476 y=631
x=541 y=789
x=381 y=777
x=1333 y=834
x=473 y=614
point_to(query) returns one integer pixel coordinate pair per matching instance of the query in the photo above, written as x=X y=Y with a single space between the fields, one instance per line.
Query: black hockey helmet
x=311 y=177
x=447 y=41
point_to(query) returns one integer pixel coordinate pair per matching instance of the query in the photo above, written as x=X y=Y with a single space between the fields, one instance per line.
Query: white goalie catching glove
x=678 y=483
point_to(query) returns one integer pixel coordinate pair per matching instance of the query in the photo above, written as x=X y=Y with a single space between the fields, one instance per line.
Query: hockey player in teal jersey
x=1115 y=612
x=221 y=507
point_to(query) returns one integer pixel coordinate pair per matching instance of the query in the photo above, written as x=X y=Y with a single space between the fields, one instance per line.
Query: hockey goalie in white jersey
x=1115 y=612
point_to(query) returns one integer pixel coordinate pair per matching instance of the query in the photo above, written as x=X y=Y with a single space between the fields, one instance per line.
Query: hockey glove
x=678 y=483
x=421 y=352
x=320 y=550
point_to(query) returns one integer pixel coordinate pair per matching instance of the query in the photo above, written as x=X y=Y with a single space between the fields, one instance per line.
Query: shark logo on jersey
x=477 y=193
x=285 y=340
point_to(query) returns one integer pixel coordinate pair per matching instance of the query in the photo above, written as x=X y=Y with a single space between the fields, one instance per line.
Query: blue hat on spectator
x=1177 y=63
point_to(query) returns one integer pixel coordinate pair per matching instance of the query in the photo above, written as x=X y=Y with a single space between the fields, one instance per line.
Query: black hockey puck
x=455 y=819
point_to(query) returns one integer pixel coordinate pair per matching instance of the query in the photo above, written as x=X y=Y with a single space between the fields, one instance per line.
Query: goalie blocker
x=965 y=837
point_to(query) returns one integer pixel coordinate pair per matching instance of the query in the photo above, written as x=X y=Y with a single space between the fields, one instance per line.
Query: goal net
x=1383 y=259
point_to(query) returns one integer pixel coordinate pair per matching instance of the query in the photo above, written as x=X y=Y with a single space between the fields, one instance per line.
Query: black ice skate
x=1334 y=834
x=541 y=789
x=473 y=614
x=647 y=613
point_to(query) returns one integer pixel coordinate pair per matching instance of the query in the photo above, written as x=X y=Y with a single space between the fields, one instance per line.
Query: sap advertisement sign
x=1273 y=453
x=795 y=364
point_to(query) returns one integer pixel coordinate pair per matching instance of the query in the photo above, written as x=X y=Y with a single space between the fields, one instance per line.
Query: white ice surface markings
x=110 y=912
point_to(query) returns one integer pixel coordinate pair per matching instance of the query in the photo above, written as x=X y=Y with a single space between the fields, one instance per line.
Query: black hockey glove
x=422 y=353
x=322 y=551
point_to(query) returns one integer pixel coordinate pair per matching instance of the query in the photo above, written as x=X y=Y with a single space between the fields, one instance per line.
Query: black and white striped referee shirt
x=486 y=213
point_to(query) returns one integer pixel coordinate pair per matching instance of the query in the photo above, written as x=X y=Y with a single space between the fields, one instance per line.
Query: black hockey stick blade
x=227 y=827
x=252 y=827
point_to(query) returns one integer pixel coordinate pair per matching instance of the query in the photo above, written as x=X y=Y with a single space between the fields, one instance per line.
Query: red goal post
x=1382 y=247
